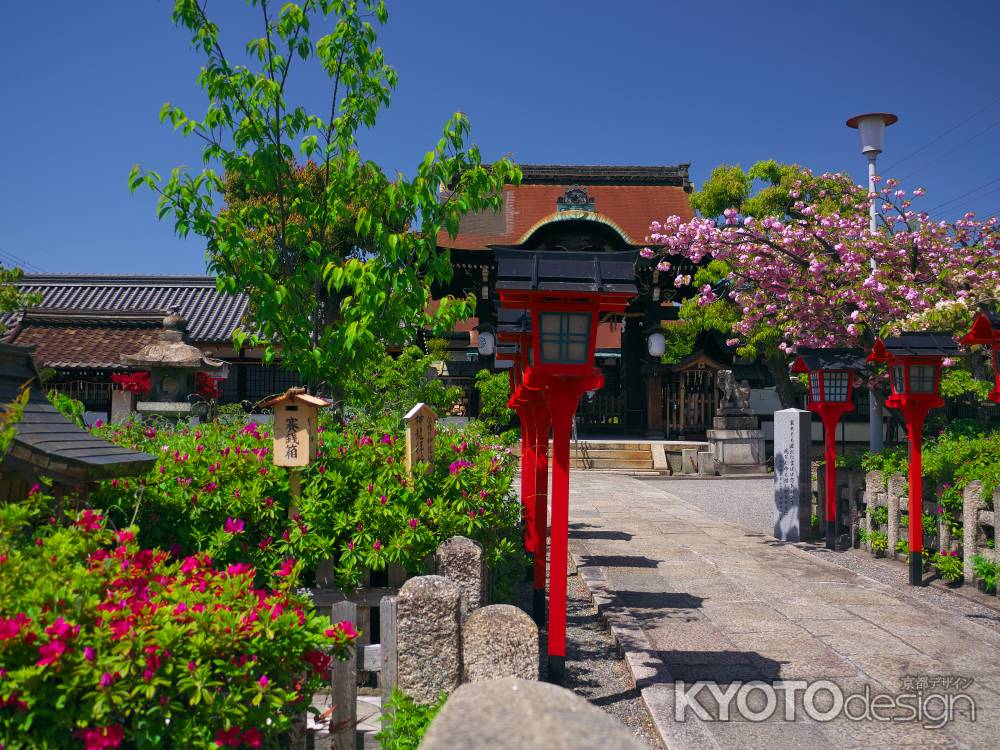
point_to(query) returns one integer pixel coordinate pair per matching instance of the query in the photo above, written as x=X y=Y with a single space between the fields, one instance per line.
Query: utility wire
x=938 y=138
x=950 y=151
x=20 y=261
x=963 y=195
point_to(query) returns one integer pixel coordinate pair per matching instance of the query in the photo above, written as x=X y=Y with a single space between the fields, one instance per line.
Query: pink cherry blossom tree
x=809 y=277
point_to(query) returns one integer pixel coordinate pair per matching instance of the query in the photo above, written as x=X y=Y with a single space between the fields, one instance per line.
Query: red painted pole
x=542 y=425
x=830 y=456
x=562 y=405
x=915 y=427
x=528 y=461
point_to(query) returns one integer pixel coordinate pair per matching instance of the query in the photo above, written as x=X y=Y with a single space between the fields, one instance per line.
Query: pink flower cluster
x=821 y=278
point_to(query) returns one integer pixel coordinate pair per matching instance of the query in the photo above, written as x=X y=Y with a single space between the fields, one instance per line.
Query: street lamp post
x=831 y=385
x=871 y=127
x=914 y=360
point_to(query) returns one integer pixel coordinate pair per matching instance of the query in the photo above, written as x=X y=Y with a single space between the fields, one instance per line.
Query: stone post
x=512 y=714
x=461 y=560
x=689 y=460
x=792 y=475
x=972 y=504
x=896 y=497
x=428 y=638
x=499 y=641
x=122 y=406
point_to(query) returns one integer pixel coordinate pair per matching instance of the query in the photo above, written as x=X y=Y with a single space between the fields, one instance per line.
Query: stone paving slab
x=691 y=597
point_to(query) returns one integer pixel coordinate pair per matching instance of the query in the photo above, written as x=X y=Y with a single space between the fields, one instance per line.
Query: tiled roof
x=85 y=338
x=47 y=443
x=626 y=198
x=211 y=315
x=561 y=174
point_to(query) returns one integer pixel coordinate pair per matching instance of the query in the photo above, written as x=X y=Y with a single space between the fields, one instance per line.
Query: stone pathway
x=692 y=597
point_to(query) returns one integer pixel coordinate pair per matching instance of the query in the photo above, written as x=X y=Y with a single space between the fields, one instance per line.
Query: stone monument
x=792 y=474
x=736 y=440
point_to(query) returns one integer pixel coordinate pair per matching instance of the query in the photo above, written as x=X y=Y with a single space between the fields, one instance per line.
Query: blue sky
x=653 y=82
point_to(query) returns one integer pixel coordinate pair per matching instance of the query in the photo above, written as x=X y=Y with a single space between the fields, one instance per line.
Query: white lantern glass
x=564 y=337
x=922 y=378
x=835 y=384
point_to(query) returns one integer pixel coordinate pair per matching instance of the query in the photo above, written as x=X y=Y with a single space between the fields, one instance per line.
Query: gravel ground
x=750 y=502
x=594 y=668
x=746 y=502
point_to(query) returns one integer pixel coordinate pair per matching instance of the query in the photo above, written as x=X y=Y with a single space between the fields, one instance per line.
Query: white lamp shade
x=656 y=345
x=871 y=128
x=486 y=343
x=872 y=131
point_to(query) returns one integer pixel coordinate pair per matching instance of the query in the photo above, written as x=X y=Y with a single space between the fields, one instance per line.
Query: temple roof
x=212 y=315
x=49 y=444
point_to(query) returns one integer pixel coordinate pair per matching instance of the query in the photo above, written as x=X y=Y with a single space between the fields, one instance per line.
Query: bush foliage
x=215 y=489
x=103 y=642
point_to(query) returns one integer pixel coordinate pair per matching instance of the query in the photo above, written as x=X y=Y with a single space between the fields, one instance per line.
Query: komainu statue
x=735 y=396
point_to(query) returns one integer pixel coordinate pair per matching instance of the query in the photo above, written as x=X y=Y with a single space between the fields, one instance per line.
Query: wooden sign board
x=294 y=435
x=296 y=417
x=420 y=425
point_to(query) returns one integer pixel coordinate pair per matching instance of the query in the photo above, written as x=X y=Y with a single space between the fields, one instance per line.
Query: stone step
x=611 y=463
x=612 y=453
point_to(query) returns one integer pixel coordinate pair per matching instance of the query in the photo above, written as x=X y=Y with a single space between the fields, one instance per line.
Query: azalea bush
x=105 y=644
x=214 y=489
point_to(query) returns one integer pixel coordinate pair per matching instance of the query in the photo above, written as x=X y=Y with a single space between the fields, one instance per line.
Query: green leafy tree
x=337 y=258
x=494 y=392
x=12 y=298
x=389 y=386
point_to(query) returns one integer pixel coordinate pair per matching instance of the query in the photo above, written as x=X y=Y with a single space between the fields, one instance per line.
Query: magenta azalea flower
x=234 y=526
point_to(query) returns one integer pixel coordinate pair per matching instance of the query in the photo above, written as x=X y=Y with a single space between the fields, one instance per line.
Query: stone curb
x=649 y=674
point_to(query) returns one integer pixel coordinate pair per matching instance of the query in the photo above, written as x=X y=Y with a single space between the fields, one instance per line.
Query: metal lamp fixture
x=871 y=127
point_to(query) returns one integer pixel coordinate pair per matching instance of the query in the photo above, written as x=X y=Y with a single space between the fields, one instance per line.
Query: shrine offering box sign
x=296 y=416
x=420 y=425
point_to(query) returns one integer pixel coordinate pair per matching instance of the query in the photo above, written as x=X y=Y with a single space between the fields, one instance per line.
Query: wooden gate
x=690 y=398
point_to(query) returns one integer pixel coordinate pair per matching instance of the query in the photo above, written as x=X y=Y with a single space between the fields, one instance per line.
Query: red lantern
x=914 y=361
x=831 y=390
x=986 y=332
x=565 y=294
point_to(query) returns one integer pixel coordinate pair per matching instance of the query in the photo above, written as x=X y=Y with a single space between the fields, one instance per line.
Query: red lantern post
x=565 y=293
x=831 y=389
x=914 y=361
x=534 y=417
x=986 y=332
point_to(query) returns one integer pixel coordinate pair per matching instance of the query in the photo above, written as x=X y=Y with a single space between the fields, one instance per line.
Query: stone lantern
x=173 y=365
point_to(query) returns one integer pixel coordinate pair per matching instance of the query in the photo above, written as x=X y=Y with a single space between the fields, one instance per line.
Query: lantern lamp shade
x=985 y=331
x=914 y=360
x=656 y=344
x=830 y=385
x=830 y=372
x=564 y=337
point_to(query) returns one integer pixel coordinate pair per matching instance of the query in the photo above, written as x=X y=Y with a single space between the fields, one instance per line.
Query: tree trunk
x=778 y=367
